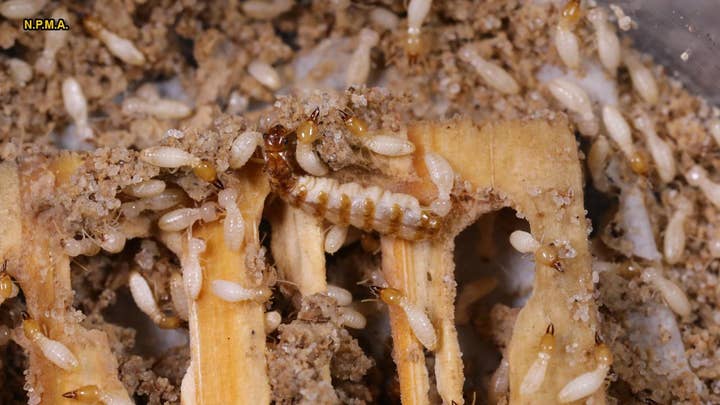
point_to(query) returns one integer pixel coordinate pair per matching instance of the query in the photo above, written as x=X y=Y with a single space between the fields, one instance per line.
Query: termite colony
x=207 y=204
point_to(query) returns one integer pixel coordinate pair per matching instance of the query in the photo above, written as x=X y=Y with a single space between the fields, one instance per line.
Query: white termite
x=524 y=242
x=642 y=78
x=272 y=321
x=384 y=18
x=266 y=10
x=536 y=373
x=191 y=268
x=697 y=176
x=588 y=383
x=388 y=145
x=335 y=238
x=161 y=108
x=145 y=300
x=342 y=296
x=416 y=14
x=358 y=68
x=56 y=352
x=243 y=147
x=234 y=292
x=144 y=189
x=8 y=288
x=607 y=41
x=500 y=381
x=597 y=161
x=443 y=177
x=265 y=74
x=166 y=199
x=85 y=246
x=20 y=71
x=92 y=394
x=179 y=219
x=674 y=241
x=17 y=9
x=572 y=97
x=673 y=295
x=618 y=130
x=188 y=391
x=660 y=150
x=121 y=48
x=417 y=318
x=54 y=40
x=179 y=296
x=112 y=241
x=168 y=157
x=233 y=224
x=493 y=75
x=566 y=44
x=308 y=159
x=351 y=318
x=76 y=107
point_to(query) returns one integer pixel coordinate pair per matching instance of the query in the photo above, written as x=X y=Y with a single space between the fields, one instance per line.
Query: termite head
x=603 y=355
x=547 y=255
x=571 y=14
x=307 y=131
x=356 y=125
x=276 y=139
x=414 y=45
x=30 y=326
x=391 y=296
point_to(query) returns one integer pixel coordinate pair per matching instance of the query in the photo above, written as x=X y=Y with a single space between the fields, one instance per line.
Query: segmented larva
x=493 y=75
x=524 y=242
x=20 y=71
x=416 y=13
x=233 y=224
x=168 y=157
x=243 y=148
x=56 y=352
x=586 y=384
x=179 y=296
x=597 y=161
x=642 y=78
x=76 y=107
x=145 y=300
x=536 y=373
x=54 y=40
x=188 y=391
x=84 y=246
x=660 y=151
x=351 y=318
x=417 y=318
x=92 y=394
x=121 y=48
x=370 y=208
x=183 y=218
x=335 y=238
x=112 y=241
x=307 y=133
x=607 y=40
x=144 y=189
x=266 y=10
x=697 y=176
x=191 y=268
x=575 y=99
x=265 y=74
x=339 y=294
x=165 y=200
x=161 y=108
x=358 y=68
x=673 y=295
x=674 y=242
x=8 y=289
x=17 y=9
x=234 y=292
x=443 y=176
x=272 y=321
x=566 y=42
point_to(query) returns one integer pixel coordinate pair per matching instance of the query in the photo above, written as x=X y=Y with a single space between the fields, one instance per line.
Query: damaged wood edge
x=37 y=262
x=524 y=164
x=227 y=340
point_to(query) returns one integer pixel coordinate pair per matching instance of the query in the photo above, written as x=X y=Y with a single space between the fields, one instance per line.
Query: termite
x=417 y=318
x=443 y=176
x=524 y=242
x=17 y=9
x=386 y=145
x=335 y=238
x=92 y=394
x=339 y=294
x=179 y=296
x=191 y=267
x=575 y=99
x=675 y=236
x=54 y=40
x=607 y=41
x=234 y=292
x=417 y=11
x=56 y=352
x=673 y=295
x=145 y=300
x=566 y=42
x=536 y=373
x=265 y=74
x=307 y=133
x=642 y=78
x=351 y=318
x=76 y=106
x=272 y=321
x=660 y=150
x=144 y=189
x=586 y=384
x=493 y=75
x=8 y=289
x=370 y=208
x=183 y=218
x=233 y=224
x=243 y=147
x=359 y=66
x=120 y=47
